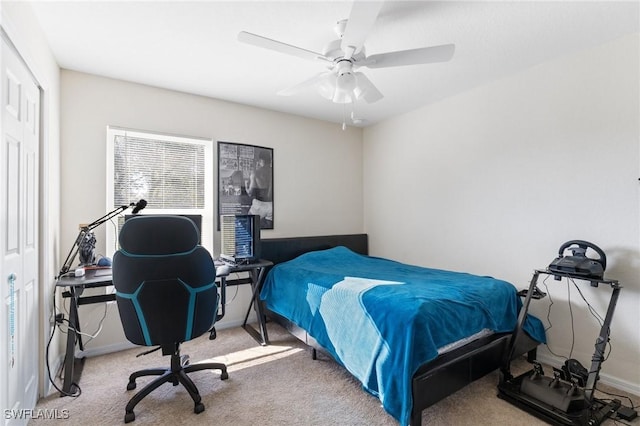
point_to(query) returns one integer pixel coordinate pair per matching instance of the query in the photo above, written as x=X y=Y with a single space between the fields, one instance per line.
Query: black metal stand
x=261 y=336
x=256 y=271
x=554 y=400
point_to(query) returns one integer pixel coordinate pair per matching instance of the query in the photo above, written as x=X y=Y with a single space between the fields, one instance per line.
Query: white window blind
x=173 y=174
x=167 y=174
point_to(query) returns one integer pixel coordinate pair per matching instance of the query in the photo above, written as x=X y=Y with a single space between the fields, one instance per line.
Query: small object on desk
x=222 y=270
x=104 y=261
x=102 y=272
x=79 y=272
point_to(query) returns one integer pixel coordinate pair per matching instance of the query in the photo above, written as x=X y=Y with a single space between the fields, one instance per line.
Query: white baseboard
x=616 y=382
x=103 y=350
x=121 y=346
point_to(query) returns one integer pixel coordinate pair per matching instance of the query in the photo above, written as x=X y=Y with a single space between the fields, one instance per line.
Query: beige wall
x=494 y=180
x=317 y=166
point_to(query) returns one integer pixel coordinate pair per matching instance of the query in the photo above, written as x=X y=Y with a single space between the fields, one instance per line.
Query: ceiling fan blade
x=278 y=46
x=361 y=19
x=311 y=82
x=424 y=55
x=365 y=89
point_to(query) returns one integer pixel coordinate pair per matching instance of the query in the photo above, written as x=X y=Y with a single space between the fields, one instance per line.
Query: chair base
x=176 y=374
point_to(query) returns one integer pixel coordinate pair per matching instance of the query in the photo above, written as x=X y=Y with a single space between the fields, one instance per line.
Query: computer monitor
x=240 y=238
x=195 y=218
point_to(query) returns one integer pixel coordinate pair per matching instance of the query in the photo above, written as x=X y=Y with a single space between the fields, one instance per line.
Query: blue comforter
x=383 y=319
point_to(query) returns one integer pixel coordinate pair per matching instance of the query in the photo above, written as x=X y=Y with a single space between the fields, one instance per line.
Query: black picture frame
x=245 y=181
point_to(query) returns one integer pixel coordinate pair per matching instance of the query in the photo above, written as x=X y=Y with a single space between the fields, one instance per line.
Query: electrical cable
x=592 y=310
x=236 y=293
x=619 y=396
x=573 y=331
x=53 y=330
x=544 y=282
x=115 y=232
x=81 y=333
x=598 y=318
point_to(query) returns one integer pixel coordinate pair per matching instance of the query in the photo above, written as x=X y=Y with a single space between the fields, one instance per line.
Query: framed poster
x=245 y=181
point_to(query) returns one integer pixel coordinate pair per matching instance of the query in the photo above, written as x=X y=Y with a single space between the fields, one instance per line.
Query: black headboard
x=280 y=250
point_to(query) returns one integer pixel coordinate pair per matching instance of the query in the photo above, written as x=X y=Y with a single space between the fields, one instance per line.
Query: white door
x=20 y=103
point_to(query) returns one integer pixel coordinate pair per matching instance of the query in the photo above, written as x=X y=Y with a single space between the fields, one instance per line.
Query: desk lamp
x=85 y=241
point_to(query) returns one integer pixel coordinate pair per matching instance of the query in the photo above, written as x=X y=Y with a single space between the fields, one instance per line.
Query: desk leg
x=68 y=388
x=256 y=284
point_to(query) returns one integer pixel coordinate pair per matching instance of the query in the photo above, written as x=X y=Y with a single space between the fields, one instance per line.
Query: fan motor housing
x=334 y=51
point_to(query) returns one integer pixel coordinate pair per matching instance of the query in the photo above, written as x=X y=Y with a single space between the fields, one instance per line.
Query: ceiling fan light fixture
x=341 y=97
x=345 y=85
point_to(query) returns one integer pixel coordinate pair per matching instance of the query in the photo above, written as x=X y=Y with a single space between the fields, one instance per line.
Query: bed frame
x=433 y=381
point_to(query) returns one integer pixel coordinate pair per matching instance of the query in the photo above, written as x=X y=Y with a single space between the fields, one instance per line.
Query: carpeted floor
x=277 y=384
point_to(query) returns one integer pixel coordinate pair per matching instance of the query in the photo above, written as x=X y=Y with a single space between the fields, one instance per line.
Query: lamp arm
x=66 y=266
x=108 y=216
x=72 y=254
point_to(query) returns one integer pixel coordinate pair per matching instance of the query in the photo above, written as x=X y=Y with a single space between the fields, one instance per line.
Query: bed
x=421 y=333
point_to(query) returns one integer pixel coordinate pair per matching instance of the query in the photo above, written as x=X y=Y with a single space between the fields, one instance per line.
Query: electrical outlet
x=59 y=318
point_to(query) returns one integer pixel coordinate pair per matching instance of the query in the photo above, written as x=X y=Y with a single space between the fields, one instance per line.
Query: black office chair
x=166 y=295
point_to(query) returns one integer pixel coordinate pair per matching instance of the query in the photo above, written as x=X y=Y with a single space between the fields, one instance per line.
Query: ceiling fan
x=341 y=83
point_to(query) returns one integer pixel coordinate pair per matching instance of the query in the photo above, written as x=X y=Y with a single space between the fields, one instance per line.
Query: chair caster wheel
x=131 y=386
x=198 y=408
x=224 y=375
x=184 y=360
x=129 y=417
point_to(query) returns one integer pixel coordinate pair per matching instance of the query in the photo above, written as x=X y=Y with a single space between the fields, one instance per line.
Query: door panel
x=19 y=159
x=12 y=191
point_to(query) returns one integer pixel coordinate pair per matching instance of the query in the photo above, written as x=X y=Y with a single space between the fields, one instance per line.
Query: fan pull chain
x=344 y=117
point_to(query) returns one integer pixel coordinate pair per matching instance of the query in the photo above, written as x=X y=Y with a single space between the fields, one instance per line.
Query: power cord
x=237 y=275
x=57 y=322
x=591 y=309
x=573 y=331
x=551 y=302
x=53 y=331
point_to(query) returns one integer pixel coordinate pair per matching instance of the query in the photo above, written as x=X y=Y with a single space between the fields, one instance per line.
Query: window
x=173 y=174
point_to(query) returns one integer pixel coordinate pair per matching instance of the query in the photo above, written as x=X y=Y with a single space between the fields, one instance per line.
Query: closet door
x=20 y=102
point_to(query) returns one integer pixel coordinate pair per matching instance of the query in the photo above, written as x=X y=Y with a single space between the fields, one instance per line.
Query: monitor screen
x=240 y=238
x=195 y=218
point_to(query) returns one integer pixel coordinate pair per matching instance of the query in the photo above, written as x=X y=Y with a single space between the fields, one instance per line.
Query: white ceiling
x=192 y=46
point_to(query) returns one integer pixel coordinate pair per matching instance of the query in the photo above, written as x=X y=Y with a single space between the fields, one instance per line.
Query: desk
x=75 y=286
x=256 y=272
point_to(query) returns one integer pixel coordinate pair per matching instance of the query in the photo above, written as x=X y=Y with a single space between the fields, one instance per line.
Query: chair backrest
x=165 y=281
